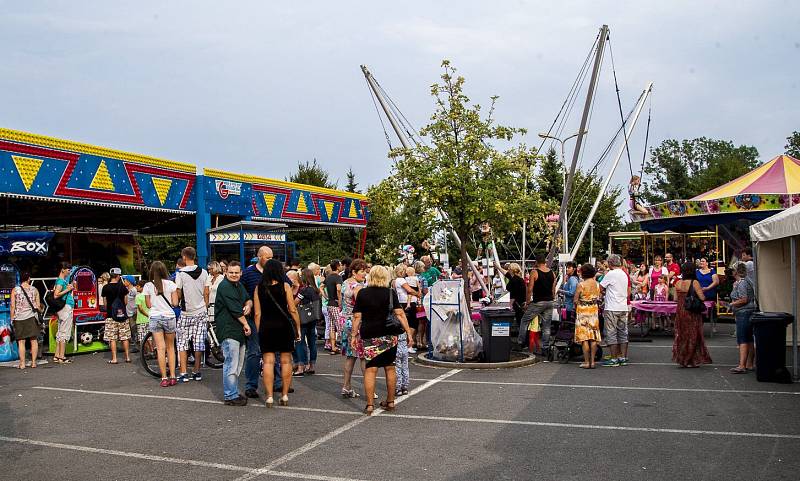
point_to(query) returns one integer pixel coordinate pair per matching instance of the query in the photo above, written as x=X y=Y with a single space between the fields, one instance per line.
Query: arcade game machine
x=9 y=278
x=89 y=320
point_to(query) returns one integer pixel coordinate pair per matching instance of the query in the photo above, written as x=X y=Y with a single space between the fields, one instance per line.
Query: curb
x=524 y=359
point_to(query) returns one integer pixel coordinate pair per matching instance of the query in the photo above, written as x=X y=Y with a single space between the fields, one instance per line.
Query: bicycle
x=214 y=357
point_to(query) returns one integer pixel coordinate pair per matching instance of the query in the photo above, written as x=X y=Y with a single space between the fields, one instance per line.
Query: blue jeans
x=744 y=328
x=252 y=363
x=308 y=337
x=234 y=361
x=544 y=310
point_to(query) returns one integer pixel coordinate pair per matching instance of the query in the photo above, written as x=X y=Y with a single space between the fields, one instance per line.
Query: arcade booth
x=9 y=278
x=89 y=320
x=241 y=240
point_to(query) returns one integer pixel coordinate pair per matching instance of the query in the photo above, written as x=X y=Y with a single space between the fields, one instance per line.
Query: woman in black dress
x=373 y=305
x=278 y=326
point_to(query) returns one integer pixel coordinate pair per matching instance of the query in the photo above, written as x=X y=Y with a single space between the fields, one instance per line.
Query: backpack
x=119 y=311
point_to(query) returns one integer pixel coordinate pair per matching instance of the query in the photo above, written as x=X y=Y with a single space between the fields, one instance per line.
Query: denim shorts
x=744 y=328
x=163 y=324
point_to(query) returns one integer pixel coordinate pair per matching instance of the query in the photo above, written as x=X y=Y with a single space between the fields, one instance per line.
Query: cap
x=115 y=271
x=130 y=279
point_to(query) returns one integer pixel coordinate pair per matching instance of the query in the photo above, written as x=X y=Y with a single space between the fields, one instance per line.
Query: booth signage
x=226 y=188
x=263 y=236
x=25 y=244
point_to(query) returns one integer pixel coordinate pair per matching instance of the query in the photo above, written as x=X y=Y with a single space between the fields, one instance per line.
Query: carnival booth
x=776 y=262
x=9 y=278
x=718 y=221
x=89 y=320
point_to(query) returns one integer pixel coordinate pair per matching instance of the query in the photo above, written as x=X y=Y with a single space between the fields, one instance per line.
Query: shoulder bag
x=38 y=313
x=310 y=311
x=692 y=303
x=53 y=302
x=393 y=325
x=288 y=318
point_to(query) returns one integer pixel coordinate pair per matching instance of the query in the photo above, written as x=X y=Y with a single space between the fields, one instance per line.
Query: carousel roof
x=754 y=196
x=780 y=175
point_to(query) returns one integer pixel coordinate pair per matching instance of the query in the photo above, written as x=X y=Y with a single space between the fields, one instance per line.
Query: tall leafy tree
x=793 y=145
x=311 y=173
x=686 y=168
x=460 y=171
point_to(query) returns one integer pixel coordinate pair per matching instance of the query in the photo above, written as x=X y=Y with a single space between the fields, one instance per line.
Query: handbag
x=39 y=315
x=310 y=312
x=291 y=321
x=692 y=303
x=393 y=326
x=56 y=303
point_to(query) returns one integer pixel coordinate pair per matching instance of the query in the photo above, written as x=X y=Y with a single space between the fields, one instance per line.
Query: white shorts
x=65 y=323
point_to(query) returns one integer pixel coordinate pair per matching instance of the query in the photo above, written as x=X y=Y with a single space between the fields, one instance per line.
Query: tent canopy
x=779 y=226
x=755 y=196
x=780 y=175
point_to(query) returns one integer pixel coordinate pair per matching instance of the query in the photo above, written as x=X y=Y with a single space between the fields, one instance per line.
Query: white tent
x=775 y=240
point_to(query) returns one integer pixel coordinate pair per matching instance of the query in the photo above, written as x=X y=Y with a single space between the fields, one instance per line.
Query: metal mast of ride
x=598 y=59
x=401 y=135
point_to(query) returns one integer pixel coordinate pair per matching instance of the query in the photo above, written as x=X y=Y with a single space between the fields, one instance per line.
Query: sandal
x=112 y=362
x=127 y=361
x=584 y=365
x=387 y=405
x=369 y=409
x=739 y=370
x=33 y=365
x=350 y=393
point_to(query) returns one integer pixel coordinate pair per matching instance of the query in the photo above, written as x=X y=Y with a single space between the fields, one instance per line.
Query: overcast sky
x=255 y=87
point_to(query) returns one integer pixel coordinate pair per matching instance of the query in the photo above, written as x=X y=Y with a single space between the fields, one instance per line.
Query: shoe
x=270 y=402
x=611 y=363
x=173 y=382
x=375 y=396
x=164 y=383
x=623 y=361
x=411 y=350
x=198 y=376
x=284 y=401
x=239 y=401
x=405 y=391
x=251 y=393
x=349 y=393
x=184 y=378
x=398 y=392
x=298 y=374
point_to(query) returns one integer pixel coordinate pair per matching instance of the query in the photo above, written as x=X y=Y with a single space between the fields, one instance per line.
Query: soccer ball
x=86 y=338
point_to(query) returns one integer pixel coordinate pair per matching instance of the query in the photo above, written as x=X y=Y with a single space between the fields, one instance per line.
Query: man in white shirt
x=193 y=321
x=617 y=288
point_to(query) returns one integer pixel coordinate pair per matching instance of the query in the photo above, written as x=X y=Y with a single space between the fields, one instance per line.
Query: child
x=130 y=307
x=633 y=193
x=411 y=304
x=660 y=294
x=142 y=312
x=401 y=366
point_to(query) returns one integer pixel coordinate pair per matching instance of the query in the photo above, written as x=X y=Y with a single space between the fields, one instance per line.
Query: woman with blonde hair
x=379 y=341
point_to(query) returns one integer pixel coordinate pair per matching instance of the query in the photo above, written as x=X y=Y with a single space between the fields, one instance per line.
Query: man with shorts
x=193 y=321
x=617 y=289
x=117 y=326
x=333 y=292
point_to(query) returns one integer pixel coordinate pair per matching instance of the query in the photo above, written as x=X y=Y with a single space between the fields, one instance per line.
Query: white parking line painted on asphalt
x=634 y=346
x=600 y=386
x=601 y=427
x=166 y=459
x=313 y=444
x=187 y=399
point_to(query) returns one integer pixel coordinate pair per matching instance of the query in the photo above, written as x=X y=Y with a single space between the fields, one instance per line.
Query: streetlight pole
x=564 y=229
x=591 y=240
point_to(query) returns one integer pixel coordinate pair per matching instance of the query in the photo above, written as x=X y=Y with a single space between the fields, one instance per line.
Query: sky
x=256 y=87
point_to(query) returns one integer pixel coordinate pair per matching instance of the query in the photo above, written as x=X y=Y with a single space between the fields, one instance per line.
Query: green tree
x=684 y=169
x=352 y=185
x=551 y=178
x=310 y=173
x=459 y=171
x=793 y=145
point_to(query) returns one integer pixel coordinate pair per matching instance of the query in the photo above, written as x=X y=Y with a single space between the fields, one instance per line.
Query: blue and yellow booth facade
x=49 y=182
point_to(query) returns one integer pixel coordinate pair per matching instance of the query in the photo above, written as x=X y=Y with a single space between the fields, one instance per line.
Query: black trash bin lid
x=772 y=317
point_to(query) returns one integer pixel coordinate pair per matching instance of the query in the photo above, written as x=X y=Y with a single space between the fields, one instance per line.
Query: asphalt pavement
x=648 y=420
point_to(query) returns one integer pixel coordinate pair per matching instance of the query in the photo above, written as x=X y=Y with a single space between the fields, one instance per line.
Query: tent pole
x=793 y=266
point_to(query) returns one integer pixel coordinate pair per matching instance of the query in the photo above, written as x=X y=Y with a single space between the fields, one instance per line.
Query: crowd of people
x=269 y=316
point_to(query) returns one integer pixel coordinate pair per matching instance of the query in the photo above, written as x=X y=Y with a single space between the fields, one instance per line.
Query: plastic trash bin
x=496 y=324
x=769 y=330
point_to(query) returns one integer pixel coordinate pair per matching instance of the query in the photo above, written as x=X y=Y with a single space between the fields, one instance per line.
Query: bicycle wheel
x=149 y=356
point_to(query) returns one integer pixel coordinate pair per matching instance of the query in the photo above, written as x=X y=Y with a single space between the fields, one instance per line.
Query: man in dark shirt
x=230 y=306
x=333 y=291
x=117 y=327
x=541 y=292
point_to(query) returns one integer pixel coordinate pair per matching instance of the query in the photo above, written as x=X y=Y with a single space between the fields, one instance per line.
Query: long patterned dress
x=346 y=320
x=689 y=346
x=587 y=322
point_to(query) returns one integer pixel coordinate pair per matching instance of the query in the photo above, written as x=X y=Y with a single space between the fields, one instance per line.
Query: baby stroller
x=562 y=346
